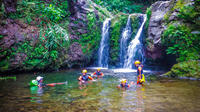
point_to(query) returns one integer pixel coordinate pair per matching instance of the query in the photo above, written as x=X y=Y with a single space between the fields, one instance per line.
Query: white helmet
x=39 y=78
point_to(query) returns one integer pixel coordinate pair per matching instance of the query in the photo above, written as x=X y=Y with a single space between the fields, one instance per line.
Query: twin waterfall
x=130 y=50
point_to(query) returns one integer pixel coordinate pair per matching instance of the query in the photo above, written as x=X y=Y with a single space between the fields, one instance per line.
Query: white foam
x=97 y=68
x=122 y=70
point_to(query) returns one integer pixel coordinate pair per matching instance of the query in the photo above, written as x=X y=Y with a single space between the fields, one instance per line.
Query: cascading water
x=135 y=48
x=103 y=52
x=126 y=34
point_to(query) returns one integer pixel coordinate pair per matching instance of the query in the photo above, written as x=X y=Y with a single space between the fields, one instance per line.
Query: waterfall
x=126 y=34
x=135 y=48
x=103 y=52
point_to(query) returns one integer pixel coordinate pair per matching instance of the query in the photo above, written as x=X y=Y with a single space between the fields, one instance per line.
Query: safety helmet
x=98 y=69
x=137 y=62
x=123 y=80
x=84 y=71
x=38 y=78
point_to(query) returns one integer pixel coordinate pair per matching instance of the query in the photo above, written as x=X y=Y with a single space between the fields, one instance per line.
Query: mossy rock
x=189 y=68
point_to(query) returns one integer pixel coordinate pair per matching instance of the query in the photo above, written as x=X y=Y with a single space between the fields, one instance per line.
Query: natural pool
x=158 y=95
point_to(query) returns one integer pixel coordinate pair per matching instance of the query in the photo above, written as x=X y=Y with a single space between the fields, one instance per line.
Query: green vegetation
x=117 y=24
x=180 y=41
x=116 y=6
x=189 y=68
x=148 y=13
x=48 y=50
x=190 y=14
x=91 y=40
x=181 y=38
x=44 y=12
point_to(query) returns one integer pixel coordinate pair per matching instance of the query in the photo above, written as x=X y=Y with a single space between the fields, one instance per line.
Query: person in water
x=40 y=84
x=137 y=65
x=140 y=75
x=84 y=77
x=124 y=84
x=98 y=73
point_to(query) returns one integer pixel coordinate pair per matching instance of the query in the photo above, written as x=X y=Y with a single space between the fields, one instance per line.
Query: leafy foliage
x=90 y=41
x=180 y=41
x=47 y=52
x=190 y=14
x=148 y=13
x=125 y=6
x=189 y=68
x=53 y=11
x=117 y=24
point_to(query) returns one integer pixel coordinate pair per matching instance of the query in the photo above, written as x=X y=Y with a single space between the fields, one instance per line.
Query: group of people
x=140 y=76
x=123 y=82
x=85 y=77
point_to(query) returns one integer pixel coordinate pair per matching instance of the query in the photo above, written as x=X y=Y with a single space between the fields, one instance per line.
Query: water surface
x=158 y=95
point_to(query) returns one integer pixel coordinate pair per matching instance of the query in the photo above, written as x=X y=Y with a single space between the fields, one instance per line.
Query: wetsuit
x=126 y=85
x=41 y=84
x=138 y=73
x=85 y=77
x=98 y=73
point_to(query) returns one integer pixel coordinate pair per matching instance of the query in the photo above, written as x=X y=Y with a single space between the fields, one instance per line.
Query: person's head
x=123 y=81
x=137 y=63
x=139 y=68
x=39 y=79
x=98 y=69
x=84 y=72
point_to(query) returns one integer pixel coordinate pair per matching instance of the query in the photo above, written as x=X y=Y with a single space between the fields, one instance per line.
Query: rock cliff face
x=15 y=32
x=78 y=18
x=156 y=27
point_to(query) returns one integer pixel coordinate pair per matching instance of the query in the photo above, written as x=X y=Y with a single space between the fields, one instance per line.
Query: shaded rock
x=78 y=18
x=10 y=5
x=74 y=37
x=75 y=52
x=82 y=31
x=173 y=16
x=156 y=28
x=15 y=34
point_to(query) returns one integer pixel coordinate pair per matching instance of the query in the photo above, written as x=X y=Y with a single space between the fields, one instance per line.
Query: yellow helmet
x=137 y=62
x=123 y=80
x=98 y=69
x=84 y=71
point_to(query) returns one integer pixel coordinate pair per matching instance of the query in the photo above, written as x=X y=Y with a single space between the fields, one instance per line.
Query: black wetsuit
x=126 y=85
x=138 y=73
x=85 y=77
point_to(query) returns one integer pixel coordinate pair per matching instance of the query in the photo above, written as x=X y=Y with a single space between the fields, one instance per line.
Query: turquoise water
x=158 y=95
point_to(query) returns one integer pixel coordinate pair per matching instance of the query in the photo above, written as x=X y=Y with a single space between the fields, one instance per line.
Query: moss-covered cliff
x=175 y=28
x=48 y=35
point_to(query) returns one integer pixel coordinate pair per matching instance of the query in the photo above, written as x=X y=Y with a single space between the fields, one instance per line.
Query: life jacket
x=138 y=73
x=142 y=79
x=85 y=77
x=98 y=73
x=126 y=85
